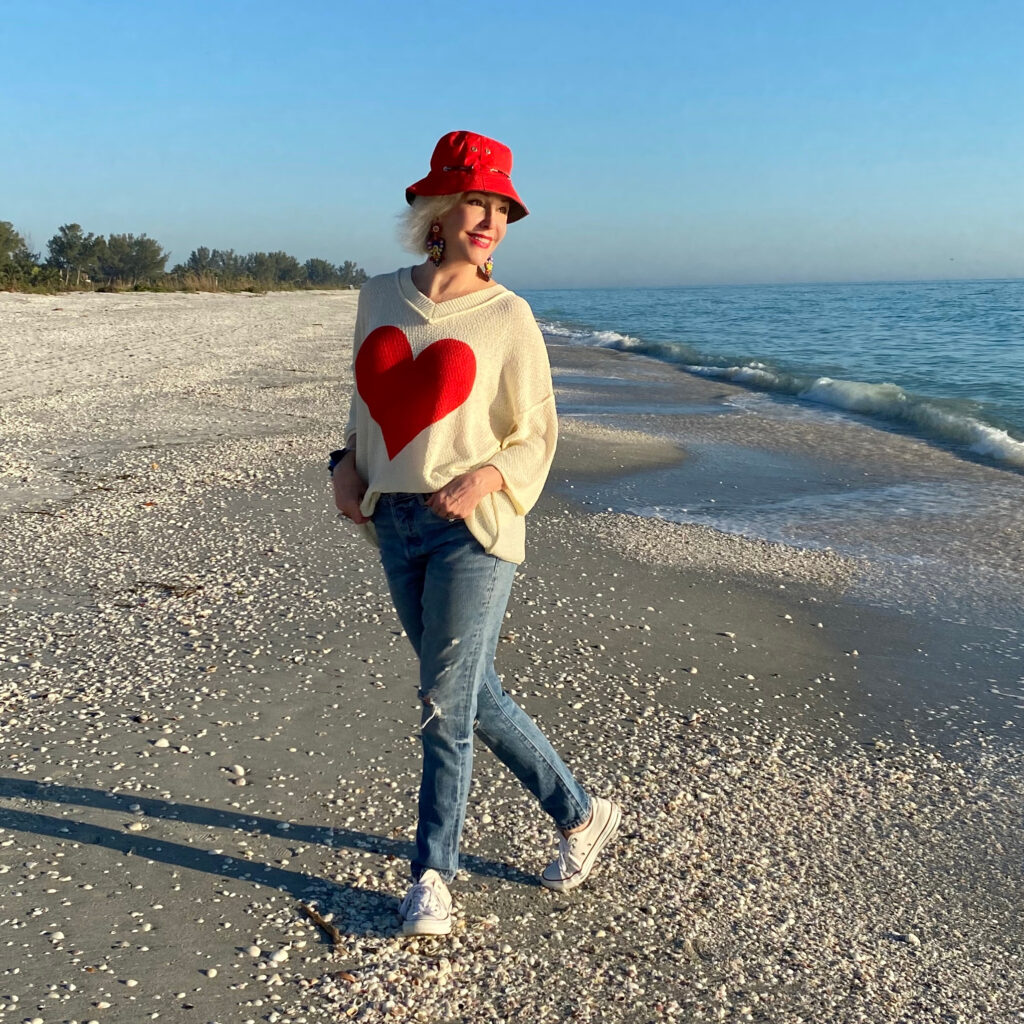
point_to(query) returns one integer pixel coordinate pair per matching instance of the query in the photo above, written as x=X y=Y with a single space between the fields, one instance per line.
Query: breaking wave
x=943 y=419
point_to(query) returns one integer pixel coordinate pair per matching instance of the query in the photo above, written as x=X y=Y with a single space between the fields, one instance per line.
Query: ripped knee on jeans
x=435 y=711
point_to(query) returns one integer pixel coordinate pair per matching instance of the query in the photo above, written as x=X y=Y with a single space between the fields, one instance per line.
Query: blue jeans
x=450 y=596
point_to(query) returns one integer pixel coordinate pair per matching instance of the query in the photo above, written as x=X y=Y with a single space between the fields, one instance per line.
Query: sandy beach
x=207 y=717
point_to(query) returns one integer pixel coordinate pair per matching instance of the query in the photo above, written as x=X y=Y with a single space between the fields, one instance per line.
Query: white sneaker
x=427 y=907
x=578 y=852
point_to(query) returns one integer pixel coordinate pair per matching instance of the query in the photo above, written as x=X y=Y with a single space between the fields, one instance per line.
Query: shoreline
x=765 y=469
x=191 y=605
x=836 y=347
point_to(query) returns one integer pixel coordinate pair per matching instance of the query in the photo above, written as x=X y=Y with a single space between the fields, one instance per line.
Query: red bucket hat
x=467 y=162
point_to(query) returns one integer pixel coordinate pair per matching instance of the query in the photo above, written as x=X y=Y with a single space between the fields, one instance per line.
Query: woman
x=450 y=438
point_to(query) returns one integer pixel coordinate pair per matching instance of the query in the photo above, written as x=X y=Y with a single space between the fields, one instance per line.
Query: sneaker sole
x=427 y=927
x=610 y=828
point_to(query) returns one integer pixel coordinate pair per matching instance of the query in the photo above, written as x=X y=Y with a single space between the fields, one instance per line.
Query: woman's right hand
x=349 y=488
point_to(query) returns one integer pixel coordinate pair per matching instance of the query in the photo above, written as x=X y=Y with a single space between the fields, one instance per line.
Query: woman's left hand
x=458 y=497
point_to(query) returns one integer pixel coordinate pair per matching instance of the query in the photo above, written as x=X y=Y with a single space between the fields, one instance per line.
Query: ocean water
x=943 y=359
x=884 y=422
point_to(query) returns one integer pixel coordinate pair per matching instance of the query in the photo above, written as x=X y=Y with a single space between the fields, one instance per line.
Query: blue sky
x=655 y=143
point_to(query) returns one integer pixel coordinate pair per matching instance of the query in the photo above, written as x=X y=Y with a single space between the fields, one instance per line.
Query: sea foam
x=939 y=419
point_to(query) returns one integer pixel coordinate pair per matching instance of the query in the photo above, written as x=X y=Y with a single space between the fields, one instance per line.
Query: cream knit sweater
x=445 y=388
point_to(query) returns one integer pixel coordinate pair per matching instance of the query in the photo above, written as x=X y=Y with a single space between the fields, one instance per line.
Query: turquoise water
x=942 y=359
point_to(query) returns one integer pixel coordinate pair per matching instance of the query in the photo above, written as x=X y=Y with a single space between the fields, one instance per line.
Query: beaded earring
x=435 y=245
x=488 y=268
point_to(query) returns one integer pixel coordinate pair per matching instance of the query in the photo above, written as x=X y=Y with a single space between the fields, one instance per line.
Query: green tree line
x=80 y=259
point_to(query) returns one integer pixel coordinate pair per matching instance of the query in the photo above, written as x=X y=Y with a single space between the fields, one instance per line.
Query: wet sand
x=208 y=708
x=937 y=530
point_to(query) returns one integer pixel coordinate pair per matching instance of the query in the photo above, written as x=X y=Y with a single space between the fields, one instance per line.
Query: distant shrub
x=81 y=261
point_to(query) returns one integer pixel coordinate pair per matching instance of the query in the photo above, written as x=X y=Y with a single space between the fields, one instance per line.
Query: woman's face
x=475 y=227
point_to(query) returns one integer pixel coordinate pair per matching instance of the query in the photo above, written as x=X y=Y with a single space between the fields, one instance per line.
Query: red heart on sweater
x=405 y=395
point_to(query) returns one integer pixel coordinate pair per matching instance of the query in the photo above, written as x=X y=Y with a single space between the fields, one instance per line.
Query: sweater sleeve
x=357 y=337
x=528 y=447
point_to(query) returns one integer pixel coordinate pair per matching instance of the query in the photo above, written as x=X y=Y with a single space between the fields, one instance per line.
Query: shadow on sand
x=357 y=904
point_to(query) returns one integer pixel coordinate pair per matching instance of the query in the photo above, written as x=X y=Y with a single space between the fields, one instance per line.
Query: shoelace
x=567 y=851
x=423 y=900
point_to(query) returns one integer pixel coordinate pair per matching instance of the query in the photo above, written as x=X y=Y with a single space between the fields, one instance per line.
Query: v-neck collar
x=439 y=310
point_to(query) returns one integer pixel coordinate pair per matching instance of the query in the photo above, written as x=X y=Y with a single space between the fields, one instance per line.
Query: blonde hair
x=414 y=223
